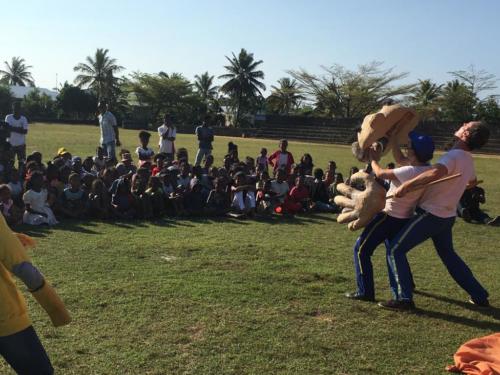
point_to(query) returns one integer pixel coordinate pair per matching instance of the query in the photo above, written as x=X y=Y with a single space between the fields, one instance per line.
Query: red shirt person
x=282 y=158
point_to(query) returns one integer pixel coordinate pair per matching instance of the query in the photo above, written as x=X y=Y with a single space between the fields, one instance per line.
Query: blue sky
x=426 y=38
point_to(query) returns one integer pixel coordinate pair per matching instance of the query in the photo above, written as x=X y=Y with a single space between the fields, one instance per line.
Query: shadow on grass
x=68 y=226
x=481 y=324
x=492 y=312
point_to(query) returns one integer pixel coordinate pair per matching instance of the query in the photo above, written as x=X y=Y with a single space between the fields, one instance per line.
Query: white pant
x=242 y=204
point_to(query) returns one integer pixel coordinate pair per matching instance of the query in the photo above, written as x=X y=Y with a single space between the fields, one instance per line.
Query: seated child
x=306 y=165
x=143 y=207
x=13 y=214
x=74 y=200
x=218 y=202
x=98 y=159
x=194 y=202
x=469 y=207
x=280 y=188
x=37 y=210
x=298 y=198
x=144 y=153
x=262 y=162
x=99 y=202
x=319 y=194
x=243 y=194
x=174 y=203
x=184 y=178
x=88 y=166
x=122 y=201
x=156 y=196
x=159 y=160
x=263 y=193
x=16 y=187
x=126 y=166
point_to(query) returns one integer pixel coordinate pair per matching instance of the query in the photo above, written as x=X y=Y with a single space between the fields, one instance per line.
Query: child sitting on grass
x=218 y=202
x=280 y=188
x=98 y=159
x=13 y=214
x=16 y=187
x=298 y=198
x=156 y=196
x=143 y=207
x=99 y=202
x=74 y=199
x=122 y=201
x=37 y=210
x=243 y=195
x=159 y=160
x=319 y=193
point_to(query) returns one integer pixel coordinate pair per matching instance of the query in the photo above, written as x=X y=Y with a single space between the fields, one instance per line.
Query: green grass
x=206 y=296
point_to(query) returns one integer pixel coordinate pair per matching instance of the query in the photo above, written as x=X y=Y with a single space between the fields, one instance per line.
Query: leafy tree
x=340 y=92
x=99 y=74
x=163 y=93
x=286 y=97
x=6 y=100
x=204 y=86
x=476 y=80
x=489 y=111
x=17 y=73
x=243 y=83
x=75 y=103
x=457 y=102
x=36 y=104
x=425 y=98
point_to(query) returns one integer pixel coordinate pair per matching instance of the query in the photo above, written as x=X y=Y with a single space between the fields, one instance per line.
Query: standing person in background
x=109 y=130
x=205 y=136
x=282 y=159
x=167 y=133
x=18 y=126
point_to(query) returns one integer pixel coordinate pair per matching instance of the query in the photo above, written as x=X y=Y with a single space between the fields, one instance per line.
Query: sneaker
x=481 y=305
x=494 y=221
x=359 y=297
x=397 y=305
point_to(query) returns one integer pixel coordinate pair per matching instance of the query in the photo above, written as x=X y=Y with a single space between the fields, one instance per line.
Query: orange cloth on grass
x=478 y=356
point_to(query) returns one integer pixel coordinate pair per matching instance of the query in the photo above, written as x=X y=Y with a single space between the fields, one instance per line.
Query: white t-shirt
x=144 y=153
x=17 y=139
x=36 y=200
x=281 y=189
x=442 y=199
x=166 y=145
x=107 y=122
x=403 y=208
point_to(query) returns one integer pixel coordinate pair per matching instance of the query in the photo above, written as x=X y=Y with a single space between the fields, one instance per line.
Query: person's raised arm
x=436 y=172
x=384 y=174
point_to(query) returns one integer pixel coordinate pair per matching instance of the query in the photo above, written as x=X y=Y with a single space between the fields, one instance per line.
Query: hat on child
x=422 y=145
x=62 y=151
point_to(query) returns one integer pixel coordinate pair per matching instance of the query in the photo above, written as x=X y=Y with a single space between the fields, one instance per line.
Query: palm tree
x=205 y=87
x=98 y=73
x=426 y=92
x=17 y=73
x=286 y=96
x=243 y=80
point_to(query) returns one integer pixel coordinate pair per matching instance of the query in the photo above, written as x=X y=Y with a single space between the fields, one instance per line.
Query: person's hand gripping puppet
x=14 y=261
x=360 y=206
x=383 y=129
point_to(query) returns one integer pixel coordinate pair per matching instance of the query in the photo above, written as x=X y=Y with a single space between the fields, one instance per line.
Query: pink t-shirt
x=403 y=208
x=442 y=199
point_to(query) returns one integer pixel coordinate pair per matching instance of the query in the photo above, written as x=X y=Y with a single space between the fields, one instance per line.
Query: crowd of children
x=154 y=185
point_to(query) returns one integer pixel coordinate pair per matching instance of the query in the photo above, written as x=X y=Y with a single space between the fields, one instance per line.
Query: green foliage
x=99 y=74
x=475 y=80
x=425 y=99
x=17 y=73
x=489 y=111
x=457 y=102
x=36 y=104
x=243 y=84
x=284 y=98
x=75 y=103
x=341 y=92
x=163 y=93
x=6 y=100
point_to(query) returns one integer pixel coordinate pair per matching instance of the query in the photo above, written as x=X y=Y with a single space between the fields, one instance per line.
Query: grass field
x=205 y=296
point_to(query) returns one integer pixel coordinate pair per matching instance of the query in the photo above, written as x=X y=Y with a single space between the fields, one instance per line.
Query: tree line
x=334 y=92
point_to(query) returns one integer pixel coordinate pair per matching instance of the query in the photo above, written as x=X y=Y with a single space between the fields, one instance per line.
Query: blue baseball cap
x=422 y=145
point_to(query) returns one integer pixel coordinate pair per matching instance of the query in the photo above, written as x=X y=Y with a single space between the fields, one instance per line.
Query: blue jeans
x=109 y=149
x=202 y=153
x=420 y=228
x=381 y=229
x=24 y=352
